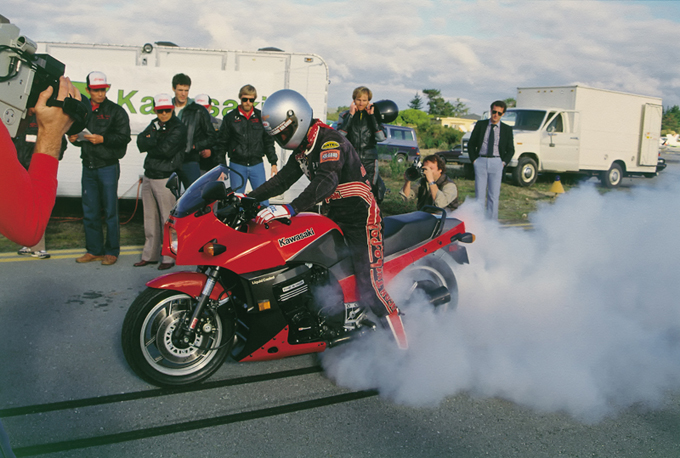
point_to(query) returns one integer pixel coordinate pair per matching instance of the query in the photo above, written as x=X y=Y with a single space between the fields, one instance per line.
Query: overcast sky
x=478 y=51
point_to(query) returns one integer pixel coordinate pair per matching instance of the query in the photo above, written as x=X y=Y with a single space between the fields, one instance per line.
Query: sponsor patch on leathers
x=330 y=145
x=332 y=155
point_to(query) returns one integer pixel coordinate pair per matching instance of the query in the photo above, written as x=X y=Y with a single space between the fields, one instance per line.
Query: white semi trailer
x=137 y=73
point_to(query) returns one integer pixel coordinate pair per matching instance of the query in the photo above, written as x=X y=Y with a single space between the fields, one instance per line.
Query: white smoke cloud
x=579 y=315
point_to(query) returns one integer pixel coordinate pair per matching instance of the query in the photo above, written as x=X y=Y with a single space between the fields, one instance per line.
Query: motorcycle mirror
x=215 y=190
x=173 y=184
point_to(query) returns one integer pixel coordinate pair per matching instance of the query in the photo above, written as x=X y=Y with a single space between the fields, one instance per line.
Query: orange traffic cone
x=557 y=187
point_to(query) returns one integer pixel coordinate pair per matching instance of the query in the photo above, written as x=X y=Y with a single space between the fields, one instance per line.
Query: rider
x=336 y=175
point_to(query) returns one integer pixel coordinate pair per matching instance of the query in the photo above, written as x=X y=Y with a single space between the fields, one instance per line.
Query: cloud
x=476 y=51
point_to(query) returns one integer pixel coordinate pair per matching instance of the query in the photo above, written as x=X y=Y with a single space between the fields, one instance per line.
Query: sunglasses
x=247 y=99
x=164 y=110
x=499 y=113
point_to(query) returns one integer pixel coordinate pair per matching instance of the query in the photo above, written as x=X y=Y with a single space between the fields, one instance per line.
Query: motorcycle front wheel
x=160 y=354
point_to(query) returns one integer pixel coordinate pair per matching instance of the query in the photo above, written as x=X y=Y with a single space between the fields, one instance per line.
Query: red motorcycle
x=268 y=292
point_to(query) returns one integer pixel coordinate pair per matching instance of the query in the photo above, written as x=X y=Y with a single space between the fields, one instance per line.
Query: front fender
x=190 y=283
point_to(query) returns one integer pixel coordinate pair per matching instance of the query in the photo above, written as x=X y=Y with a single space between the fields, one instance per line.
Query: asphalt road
x=66 y=391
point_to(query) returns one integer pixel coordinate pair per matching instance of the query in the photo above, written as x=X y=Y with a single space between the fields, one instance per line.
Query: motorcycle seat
x=404 y=231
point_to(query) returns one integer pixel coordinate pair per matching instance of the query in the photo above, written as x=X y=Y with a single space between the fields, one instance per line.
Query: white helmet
x=286 y=116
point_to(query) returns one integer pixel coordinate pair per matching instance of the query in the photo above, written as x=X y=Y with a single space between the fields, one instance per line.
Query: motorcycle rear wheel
x=431 y=271
x=154 y=352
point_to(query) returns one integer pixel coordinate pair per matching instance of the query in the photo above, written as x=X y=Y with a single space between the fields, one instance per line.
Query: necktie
x=489 y=149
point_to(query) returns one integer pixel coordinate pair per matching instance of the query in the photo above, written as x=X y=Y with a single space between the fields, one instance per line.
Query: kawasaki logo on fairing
x=296 y=238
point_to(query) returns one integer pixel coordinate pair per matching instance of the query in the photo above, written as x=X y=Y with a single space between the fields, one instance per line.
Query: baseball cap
x=97 y=80
x=203 y=99
x=162 y=101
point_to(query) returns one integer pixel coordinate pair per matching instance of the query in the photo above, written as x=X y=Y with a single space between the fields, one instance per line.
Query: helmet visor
x=283 y=133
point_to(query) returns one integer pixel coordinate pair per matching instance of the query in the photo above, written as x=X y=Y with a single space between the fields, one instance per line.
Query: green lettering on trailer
x=124 y=100
x=147 y=106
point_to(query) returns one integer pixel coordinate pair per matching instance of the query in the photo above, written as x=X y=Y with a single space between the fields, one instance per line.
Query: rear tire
x=153 y=350
x=426 y=274
x=612 y=177
x=402 y=158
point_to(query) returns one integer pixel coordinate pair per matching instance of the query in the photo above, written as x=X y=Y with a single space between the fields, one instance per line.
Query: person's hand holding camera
x=53 y=123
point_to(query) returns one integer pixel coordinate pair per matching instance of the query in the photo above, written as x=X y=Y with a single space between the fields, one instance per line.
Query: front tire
x=526 y=172
x=151 y=345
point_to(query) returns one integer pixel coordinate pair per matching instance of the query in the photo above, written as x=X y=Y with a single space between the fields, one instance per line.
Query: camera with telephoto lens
x=28 y=74
x=415 y=171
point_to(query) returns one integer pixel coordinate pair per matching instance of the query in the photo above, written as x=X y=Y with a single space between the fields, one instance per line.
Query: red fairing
x=190 y=283
x=256 y=249
x=278 y=347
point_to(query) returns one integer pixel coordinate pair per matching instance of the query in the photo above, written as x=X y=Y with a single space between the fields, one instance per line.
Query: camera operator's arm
x=406 y=191
x=28 y=197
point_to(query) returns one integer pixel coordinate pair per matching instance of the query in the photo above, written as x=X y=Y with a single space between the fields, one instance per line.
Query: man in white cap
x=163 y=141
x=209 y=156
x=103 y=144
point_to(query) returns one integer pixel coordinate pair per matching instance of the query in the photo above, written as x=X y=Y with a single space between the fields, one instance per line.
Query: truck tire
x=402 y=158
x=612 y=177
x=526 y=172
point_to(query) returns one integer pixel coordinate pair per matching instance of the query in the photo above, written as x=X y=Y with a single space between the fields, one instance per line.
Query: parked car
x=451 y=155
x=401 y=143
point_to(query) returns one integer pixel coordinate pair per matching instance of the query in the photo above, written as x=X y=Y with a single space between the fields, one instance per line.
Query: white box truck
x=584 y=130
x=137 y=73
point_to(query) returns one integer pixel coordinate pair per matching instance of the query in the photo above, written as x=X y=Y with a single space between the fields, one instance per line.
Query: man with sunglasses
x=491 y=147
x=245 y=141
x=102 y=144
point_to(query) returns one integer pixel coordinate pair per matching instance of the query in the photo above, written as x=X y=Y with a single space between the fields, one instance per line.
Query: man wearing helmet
x=336 y=176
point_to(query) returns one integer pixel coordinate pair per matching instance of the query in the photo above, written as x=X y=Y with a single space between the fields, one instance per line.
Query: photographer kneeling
x=434 y=187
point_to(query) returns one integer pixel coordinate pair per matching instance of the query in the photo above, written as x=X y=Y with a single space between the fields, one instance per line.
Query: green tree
x=416 y=103
x=670 y=122
x=412 y=117
x=440 y=107
x=333 y=116
x=510 y=102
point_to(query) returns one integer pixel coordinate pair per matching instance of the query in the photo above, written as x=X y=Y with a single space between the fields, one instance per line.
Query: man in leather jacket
x=102 y=146
x=163 y=142
x=243 y=139
x=201 y=135
x=337 y=177
x=364 y=130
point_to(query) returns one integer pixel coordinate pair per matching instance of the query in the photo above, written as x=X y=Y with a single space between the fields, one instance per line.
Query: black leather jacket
x=244 y=140
x=200 y=132
x=164 y=145
x=110 y=121
x=363 y=131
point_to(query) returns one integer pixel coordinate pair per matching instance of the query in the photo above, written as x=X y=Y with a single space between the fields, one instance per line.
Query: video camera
x=29 y=74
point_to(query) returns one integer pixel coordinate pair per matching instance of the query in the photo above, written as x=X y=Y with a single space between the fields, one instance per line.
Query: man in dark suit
x=491 y=147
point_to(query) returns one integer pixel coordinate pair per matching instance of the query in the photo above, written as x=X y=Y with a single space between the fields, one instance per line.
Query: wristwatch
x=432 y=182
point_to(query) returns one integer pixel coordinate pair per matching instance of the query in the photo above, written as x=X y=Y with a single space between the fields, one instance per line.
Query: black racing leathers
x=200 y=131
x=337 y=176
x=244 y=140
x=164 y=145
x=112 y=122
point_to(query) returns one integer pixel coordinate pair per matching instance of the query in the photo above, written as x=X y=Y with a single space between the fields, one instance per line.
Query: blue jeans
x=254 y=173
x=100 y=194
x=188 y=173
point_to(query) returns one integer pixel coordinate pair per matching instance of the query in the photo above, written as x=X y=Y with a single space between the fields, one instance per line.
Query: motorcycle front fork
x=188 y=330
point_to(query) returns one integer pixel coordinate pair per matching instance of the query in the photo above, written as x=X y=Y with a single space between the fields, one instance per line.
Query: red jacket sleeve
x=26 y=198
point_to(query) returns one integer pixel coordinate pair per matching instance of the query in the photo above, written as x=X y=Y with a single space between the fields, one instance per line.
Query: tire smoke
x=579 y=315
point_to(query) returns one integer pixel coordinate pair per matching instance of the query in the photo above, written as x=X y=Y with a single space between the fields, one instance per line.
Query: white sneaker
x=41 y=254
x=25 y=251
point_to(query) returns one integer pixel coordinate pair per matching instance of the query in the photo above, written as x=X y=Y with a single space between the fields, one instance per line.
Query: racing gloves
x=274 y=212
